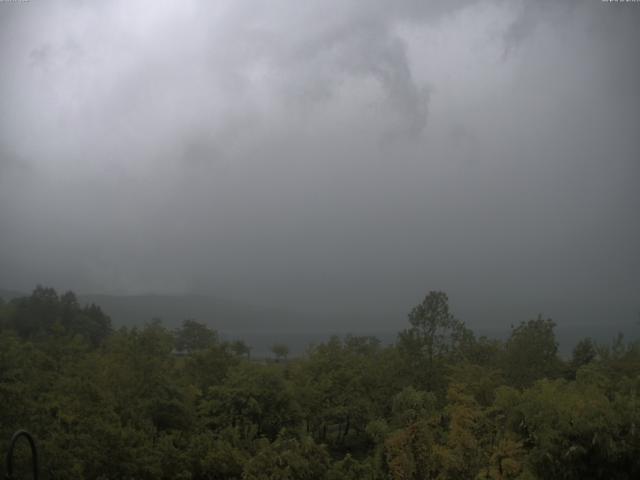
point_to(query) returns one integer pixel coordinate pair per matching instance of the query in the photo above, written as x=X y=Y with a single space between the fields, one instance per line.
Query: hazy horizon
x=333 y=158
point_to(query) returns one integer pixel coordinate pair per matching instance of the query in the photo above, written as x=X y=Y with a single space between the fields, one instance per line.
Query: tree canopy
x=152 y=403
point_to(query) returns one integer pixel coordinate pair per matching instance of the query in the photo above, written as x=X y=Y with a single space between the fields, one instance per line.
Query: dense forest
x=159 y=403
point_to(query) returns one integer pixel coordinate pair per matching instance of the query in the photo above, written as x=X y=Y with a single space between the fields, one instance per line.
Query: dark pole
x=34 y=453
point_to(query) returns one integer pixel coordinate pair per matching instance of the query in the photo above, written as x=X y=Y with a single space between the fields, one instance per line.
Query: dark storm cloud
x=327 y=156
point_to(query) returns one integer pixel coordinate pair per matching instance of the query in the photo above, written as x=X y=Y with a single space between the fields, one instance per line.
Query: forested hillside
x=153 y=402
x=132 y=310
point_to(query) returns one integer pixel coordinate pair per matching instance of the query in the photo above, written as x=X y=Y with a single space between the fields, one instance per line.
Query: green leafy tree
x=584 y=353
x=193 y=336
x=44 y=313
x=288 y=459
x=350 y=468
x=207 y=368
x=531 y=353
x=253 y=397
x=435 y=336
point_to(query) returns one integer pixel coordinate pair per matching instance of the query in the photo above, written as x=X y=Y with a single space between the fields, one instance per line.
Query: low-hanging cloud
x=328 y=156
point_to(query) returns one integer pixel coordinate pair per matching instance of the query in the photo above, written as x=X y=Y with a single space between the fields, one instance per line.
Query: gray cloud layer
x=329 y=156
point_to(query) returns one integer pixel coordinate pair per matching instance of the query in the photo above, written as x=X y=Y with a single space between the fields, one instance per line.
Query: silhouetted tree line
x=439 y=404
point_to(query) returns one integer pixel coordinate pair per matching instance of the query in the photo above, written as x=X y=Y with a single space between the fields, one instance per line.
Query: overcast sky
x=330 y=156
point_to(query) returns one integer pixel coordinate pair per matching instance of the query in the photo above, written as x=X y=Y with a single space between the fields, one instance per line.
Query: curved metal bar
x=34 y=453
